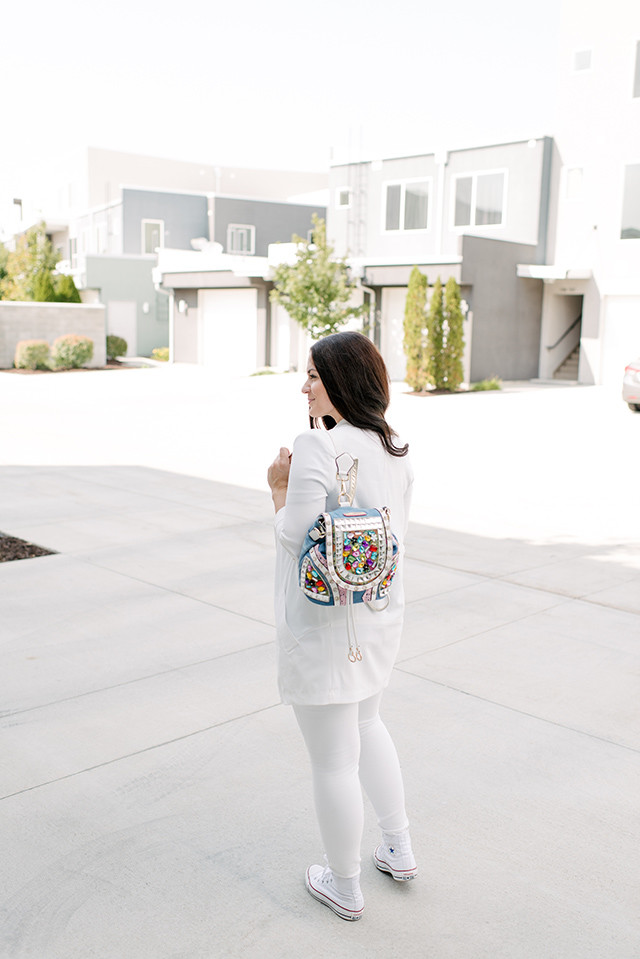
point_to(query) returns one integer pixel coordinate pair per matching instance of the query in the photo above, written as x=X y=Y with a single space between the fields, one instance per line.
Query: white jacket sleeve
x=312 y=476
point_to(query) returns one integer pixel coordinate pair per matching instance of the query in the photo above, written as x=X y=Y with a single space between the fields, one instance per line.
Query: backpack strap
x=346 y=474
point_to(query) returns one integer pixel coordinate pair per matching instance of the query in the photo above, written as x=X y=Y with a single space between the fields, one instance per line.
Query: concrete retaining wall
x=47 y=321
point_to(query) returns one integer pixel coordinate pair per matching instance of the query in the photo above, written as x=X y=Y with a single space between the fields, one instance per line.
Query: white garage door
x=122 y=321
x=392 y=331
x=229 y=331
x=621 y=337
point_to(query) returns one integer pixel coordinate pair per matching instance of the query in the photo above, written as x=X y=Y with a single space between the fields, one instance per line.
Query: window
x=630 y=229
x=582 y=60
x=479 y=199
x=241 y=238
x=464 y=190
x=407 y=205
x=152 y=235
x=392 y=221
x=343 y=197
x=636 y=78
x=73 y=252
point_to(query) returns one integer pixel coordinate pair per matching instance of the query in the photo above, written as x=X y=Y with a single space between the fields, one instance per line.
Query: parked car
x=631 y=386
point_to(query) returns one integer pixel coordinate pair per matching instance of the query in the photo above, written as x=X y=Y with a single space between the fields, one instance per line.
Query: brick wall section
x=47 y=321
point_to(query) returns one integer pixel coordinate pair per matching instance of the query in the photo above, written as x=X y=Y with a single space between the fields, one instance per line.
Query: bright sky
x=282 y=84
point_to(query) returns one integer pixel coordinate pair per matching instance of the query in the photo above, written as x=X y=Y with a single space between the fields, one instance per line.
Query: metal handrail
x=566 y=333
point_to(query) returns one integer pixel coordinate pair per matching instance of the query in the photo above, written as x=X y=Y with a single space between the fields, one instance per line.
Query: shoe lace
x=327 y=873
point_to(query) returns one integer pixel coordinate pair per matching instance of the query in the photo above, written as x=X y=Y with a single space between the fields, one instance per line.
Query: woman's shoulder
x=312 y=439
x=347 y=432
x=313 y=443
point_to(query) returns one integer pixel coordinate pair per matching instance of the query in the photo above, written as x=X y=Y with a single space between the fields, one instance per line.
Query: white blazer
x=312 y=644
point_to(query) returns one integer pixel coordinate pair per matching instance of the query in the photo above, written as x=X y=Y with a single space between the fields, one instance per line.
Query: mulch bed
x=12 y=548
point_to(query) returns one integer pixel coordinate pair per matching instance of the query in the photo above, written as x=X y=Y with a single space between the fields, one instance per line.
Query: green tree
x=4 y=256
x=65 y=290
x=316 y=289
x=436 y=335
x=454 y=351
x=33 y=255
x=43 y=288
x=446 y=339
x=416 y=346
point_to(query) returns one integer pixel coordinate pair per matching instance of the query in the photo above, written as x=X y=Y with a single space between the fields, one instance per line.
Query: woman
x=335 y=700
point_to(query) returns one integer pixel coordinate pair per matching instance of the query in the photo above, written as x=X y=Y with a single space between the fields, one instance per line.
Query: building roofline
x=432 y=153
x=211 y=194
x=392 y=261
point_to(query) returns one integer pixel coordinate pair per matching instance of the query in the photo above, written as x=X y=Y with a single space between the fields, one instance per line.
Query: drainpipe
x=377 y=307
x=372 y=306
x=159 y=288
x=441 y=159
x=171 y=325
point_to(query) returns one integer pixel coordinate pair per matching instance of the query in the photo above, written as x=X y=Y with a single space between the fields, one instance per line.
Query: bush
x=493 y=383
x=71 y=352
x=43 y=291
x=160 y=353
x=32 y=355
x=116 y=346
x=414 y=340
x=65 y=290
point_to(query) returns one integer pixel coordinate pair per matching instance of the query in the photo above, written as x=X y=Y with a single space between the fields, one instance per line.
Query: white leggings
x=350 y=747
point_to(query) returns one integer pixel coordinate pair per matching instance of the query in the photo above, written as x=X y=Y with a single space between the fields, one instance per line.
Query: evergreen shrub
x=70 y=352
x=415 y=342
x=116 y=346
x=454 y=348
x=43 y=289
x=445 y=334
x=32 y=355
x=65 y=290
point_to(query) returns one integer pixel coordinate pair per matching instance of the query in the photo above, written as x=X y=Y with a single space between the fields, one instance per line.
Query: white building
x=592 y=274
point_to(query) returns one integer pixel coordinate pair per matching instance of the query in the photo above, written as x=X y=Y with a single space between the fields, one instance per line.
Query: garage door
x=229 y=331
x=122 y=321
x=392 y=331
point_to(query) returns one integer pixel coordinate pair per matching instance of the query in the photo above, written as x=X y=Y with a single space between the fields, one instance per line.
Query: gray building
x=222 y=316
x=153 y=220
x=109 y=213
x=473 y=214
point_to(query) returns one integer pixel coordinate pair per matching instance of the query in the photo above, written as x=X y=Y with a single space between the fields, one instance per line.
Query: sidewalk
x=156 y=798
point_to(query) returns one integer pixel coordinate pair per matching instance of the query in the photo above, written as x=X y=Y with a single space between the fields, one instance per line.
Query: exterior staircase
x=568 y=370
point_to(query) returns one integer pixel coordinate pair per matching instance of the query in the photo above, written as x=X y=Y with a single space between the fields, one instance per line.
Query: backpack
x=349 y=555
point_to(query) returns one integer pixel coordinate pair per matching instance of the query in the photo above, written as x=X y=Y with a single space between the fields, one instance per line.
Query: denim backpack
x=349 y=555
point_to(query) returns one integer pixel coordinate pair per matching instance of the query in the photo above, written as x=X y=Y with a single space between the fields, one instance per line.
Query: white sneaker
x=321 y=884
x=395 y=856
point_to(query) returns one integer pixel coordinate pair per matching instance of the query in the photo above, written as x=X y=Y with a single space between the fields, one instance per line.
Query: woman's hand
x=278 y=477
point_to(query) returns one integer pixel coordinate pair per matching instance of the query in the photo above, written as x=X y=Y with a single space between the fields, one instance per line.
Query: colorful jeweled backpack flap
x=349 y=555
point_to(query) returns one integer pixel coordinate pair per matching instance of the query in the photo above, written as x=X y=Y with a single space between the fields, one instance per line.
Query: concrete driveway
x=155 y=795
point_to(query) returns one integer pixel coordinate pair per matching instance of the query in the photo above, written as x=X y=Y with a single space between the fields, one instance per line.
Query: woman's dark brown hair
x=357 y=383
